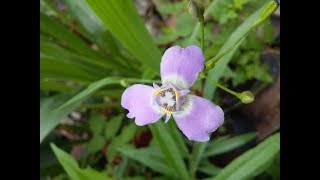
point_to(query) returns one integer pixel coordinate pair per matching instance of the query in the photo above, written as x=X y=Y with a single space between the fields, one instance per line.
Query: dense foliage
x=91 y=50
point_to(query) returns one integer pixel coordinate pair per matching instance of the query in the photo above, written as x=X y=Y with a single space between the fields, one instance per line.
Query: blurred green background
x=91 y=50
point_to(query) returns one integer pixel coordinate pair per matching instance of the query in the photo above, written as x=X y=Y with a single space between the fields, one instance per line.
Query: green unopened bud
x=196 y=9
x=124 y=83
x=209 y=65
x=202 y=75
x=246 y=97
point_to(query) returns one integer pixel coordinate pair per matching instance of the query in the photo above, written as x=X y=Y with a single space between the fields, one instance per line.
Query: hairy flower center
x=167 y=98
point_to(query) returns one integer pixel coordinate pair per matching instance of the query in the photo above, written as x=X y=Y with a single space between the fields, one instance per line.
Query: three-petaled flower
x=194 y=115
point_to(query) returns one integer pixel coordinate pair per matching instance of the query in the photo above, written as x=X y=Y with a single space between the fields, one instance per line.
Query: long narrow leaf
x=101 y=83
x=123 y=21
x=60 y=32
x=91 y=89
x=219 y=147
x=71 y=166
x=151 y=157
x=49 y=118
x=253 y=161
x=169 y=148
x=98 y=32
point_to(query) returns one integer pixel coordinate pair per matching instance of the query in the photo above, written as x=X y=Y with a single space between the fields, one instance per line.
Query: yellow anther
x=156 y=92
x=166 y=111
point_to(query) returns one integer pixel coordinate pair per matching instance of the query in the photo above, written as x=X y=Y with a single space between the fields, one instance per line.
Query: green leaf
x=170 y=8
x=166 y=38
x=209 y=89
x=224 y=11
x=150 y=157
x=96 y=124
x=69 y=39
x=126 y=135
x=239 y=3
x=71 y=167
x=123 y=21
x=209 y=168
x=253 y=161
x=57 y=70
x=91 y=89
x=179 y=138
x=55 y=86
x=240 y=77
x=169 y=148
x=274 y=169
x=261 y=73
x=229 y=47
x=95 y=144
x=228 y=144
x=268 y=32
x=46 y=9
x=101 y=83
x=184 y=24
x=83 y=13
x=120 y=170
x=49 y=49
x=49 y=117
x=91 y=67
x=113 y=126
x=198 y=150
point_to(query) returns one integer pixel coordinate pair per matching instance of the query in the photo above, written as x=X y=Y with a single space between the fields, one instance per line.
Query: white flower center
x=168 y=99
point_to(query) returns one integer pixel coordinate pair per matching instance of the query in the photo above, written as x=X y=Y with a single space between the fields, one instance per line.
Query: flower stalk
x=196 y=10
x=245 y=97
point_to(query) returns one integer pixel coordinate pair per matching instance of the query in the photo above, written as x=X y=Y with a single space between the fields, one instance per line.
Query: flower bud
x=246 y=97
x=196 y=9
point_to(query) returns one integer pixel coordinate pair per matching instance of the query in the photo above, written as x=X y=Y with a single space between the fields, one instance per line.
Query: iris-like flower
x=194 y=115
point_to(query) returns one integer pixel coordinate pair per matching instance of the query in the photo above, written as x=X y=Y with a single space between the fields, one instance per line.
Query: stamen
x=168 y=99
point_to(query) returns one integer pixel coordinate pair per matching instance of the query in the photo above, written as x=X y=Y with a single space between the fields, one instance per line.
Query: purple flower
x=195 y=116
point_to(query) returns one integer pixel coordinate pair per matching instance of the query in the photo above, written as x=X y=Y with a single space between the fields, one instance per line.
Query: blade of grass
x=123 y=21
x=253 y=161
x=71 y=167
x=49 y=119
x=150 y=157
x=219 y=147
x=169 y=149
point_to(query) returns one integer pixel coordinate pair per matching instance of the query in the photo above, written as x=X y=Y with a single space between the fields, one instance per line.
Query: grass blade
x=253 y=161
x=50 y=118
x=71 y=166
x=151 y=157
x=123 y=21
x=219 y=147
x=169 y=149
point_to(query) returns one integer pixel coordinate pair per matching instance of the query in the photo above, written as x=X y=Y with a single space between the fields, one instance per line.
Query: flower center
x=167 y=98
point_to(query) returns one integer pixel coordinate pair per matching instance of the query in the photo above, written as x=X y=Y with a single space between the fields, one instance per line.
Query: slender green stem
x=211 y=62
x=222 y=87
x=206 y=13
x=202 y=33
